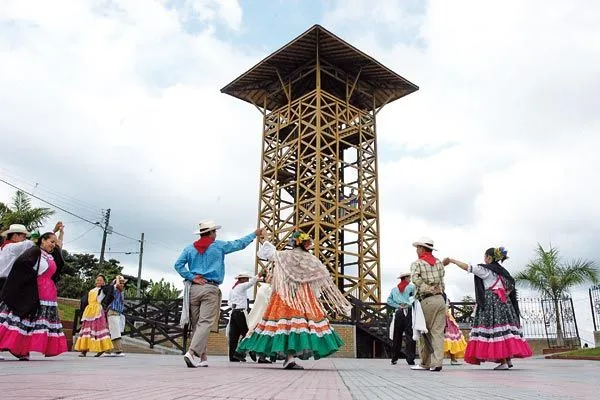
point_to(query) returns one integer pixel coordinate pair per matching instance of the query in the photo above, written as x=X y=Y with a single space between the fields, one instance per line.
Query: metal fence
x=541 y=318
x=551 y=319
x=595 y=305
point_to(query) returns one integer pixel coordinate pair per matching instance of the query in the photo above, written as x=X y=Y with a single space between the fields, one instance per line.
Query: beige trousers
x=434 y=311
x=204 y=305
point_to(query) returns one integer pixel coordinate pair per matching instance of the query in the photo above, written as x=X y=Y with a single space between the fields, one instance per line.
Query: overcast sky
x=116 y=104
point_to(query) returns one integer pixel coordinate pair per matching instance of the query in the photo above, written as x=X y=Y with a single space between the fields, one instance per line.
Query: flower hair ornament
x=500 y=254
x=299 y=237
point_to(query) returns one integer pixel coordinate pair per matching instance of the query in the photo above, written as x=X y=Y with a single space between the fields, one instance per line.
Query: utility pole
x=106 y=221
x=139 y=277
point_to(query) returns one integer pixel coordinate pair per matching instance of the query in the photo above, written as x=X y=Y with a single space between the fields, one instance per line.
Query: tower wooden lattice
x=319 y=97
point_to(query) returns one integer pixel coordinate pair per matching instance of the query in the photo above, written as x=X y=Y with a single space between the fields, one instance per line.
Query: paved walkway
x=142 y=376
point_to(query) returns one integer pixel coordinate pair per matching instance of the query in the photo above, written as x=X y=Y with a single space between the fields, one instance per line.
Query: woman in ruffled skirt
x=496 y=334
x=294 y=324
x=454 y=340
x=30 y=324
x=94 y=334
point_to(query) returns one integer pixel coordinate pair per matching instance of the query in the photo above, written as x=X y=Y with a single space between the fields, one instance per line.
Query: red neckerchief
x=202 y=244
x=402 y=285
x=6 y=243
x=428 y=258
x=237 y=283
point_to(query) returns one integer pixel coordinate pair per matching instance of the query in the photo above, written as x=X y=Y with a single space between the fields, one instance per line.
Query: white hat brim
x=201 y=231
x=8 y=232
x=403 y=275
x=416 y=244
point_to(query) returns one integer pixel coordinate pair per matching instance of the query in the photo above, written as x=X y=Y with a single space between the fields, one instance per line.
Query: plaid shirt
x=429 y=279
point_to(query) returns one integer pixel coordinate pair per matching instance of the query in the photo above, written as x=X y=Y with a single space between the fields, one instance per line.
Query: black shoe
x=234 y=359
x=253 y=356
x=394 y=362
x=263 y=361
x=436 y=369
x=410 y=362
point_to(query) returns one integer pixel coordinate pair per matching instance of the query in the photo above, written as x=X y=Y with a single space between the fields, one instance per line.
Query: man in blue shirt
x=203 y=264
x=401 y=299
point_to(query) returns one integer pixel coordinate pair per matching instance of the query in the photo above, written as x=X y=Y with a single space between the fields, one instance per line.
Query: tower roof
x=379 y=85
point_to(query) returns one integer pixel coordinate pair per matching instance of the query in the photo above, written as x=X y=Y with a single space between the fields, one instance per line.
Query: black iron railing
x=156 y=321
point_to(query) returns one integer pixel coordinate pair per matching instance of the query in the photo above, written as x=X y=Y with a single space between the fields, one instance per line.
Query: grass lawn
x=585 y=352
x=66 y=312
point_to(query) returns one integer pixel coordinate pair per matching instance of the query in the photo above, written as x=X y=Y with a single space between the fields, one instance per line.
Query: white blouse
x=44 y=262
x=490 y=279
x=267 y=251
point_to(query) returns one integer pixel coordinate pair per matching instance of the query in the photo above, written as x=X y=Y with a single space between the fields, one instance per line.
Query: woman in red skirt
x=496 y=334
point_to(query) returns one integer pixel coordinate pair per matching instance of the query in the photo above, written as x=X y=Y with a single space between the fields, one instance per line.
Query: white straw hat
x=424 y=242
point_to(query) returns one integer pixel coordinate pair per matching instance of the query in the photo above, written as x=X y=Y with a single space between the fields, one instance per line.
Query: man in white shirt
x=238 y=301
x=14 y=245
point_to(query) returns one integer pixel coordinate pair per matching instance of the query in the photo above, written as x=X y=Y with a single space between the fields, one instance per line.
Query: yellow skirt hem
x=456 y=348
x=96 y=346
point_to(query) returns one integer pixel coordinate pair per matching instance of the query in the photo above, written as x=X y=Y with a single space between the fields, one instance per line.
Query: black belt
x=238 y=310
x=428 y=295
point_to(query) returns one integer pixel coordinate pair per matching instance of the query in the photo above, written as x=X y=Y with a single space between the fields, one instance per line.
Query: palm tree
x=20 y=211
x=552 y=276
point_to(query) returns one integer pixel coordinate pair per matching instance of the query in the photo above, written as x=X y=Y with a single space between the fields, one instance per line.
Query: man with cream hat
x=116 y=318
x=427 y=273
x=238 y=302
x=401 y=299
x=202 y=264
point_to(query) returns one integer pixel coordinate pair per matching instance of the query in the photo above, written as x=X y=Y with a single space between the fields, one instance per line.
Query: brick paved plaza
x=144 y=376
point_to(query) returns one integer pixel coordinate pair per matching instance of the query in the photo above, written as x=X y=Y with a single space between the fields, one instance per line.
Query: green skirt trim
x=302 y=345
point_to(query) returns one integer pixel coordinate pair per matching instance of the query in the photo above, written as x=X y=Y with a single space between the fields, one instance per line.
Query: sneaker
x=435 y=369
x=191 y=360
x=418 y=368
x=1 y=358
x=502 y=367
x=203 y=363
x=119 y=355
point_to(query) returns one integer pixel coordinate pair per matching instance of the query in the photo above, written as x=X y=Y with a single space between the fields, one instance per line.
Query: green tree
x=554 y=277
x=131 y=287
x=468 y=309
x=162 y=290
x=80 y=271
x=20 y=211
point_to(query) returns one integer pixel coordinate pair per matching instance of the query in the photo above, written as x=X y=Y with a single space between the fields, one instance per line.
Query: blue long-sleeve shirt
x=407 y=297
x=211 y=263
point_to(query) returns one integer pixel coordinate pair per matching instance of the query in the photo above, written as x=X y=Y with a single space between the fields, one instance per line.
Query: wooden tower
x=319 y=97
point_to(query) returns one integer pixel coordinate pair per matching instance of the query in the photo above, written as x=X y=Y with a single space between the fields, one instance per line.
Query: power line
x=70 y=200
x=66 y=211
x=166 y=246
x=49 y=203
x=82 y=235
